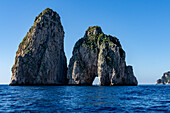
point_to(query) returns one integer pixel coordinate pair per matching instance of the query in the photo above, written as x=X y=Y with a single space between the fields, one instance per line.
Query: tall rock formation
x=40 y=59
x=99 y=55
x=165 y=79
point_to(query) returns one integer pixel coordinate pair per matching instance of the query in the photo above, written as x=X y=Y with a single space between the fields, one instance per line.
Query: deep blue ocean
x=142 y=98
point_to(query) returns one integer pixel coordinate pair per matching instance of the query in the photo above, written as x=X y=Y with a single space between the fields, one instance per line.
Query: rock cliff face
x=165 y=79
x=99 y=55
x=40 y=59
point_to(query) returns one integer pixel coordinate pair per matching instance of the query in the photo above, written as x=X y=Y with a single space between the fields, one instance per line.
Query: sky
x=142 y=26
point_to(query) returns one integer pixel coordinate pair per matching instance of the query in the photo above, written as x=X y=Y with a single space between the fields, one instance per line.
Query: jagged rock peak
x=99 y=55
x=48 y=13
x=40 y=59
x=165 y=79
x=93 y=30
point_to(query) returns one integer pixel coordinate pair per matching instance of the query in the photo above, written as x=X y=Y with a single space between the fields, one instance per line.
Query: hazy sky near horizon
x=142 y=26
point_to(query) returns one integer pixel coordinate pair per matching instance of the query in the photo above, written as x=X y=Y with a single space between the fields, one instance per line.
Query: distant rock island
x=165 y=79
x=41 y=60
x=99 y=55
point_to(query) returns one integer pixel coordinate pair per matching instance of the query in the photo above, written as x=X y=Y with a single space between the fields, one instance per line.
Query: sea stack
x=165 y=79
x=40 y=59
x=99 y=55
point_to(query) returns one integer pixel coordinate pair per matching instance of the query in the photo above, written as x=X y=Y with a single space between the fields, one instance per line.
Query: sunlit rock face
x=165 y=79
x=101 y=55
x=40 y=59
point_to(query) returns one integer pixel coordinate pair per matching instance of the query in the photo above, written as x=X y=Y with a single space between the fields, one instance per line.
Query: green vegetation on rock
x=27 y=51
x=93 y=28
x=23 y=41
x=93 y=40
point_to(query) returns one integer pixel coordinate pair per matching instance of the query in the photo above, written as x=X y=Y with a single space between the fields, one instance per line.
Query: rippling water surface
x=142 y=98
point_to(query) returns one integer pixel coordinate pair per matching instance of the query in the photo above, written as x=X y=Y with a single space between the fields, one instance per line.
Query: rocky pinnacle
x=40 y=59
x=99 y=55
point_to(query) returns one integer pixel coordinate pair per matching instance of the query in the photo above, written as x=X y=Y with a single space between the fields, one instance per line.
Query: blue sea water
x=142 y=98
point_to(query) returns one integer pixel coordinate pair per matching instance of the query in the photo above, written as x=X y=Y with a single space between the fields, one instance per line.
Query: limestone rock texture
x=40 y=59
x=99 y=55
x=165 y=79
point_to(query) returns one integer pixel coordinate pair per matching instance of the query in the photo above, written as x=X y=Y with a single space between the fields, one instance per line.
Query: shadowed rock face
x=40 y=59
x=97 y=54
x=165 y=79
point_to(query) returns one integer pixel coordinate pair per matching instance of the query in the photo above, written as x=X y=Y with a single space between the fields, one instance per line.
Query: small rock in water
x=165 y=79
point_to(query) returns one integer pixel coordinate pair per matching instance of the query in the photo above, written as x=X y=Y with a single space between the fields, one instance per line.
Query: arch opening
x=96 y=81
